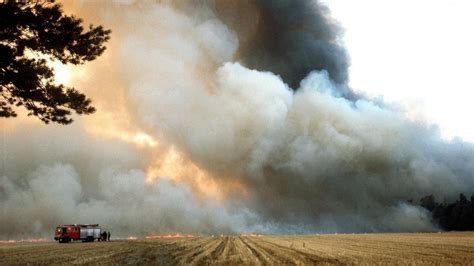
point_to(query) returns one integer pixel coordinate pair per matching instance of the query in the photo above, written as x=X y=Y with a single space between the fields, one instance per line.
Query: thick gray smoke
x=285 y=161
x=287 y=37
x=60 y=175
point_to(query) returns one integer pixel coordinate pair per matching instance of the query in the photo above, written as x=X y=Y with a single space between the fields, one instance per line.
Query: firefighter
x=104 y=236
x=108 y=236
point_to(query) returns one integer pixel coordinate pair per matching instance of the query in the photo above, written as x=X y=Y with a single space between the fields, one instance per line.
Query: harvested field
x=417 y=248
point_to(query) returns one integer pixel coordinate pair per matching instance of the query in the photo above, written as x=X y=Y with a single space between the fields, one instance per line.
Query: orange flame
x=11 y=241
x=28 y=240
x=177 y=235
x=132 y=238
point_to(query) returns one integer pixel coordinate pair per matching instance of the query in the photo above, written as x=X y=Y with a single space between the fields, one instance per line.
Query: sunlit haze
x=418 y=53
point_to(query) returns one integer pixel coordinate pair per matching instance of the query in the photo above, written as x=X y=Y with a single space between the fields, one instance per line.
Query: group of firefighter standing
x=105 y=236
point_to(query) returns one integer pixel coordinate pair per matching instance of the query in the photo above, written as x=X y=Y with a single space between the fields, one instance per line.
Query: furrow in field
x=288 y=255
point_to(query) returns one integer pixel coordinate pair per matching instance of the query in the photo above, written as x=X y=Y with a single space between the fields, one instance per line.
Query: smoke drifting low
x=200 y=130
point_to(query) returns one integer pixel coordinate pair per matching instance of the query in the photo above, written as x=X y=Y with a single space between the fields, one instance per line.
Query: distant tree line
x=458 y=215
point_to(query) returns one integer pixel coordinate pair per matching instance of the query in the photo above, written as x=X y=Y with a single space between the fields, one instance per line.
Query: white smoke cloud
x=305 y=161
x=126 y=205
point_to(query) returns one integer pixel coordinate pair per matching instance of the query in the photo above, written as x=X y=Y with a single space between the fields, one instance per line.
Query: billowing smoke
x=200 y=130
x=288 y=38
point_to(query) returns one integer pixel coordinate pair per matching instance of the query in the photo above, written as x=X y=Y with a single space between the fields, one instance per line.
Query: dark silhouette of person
x=104 y=236
x=108 y=236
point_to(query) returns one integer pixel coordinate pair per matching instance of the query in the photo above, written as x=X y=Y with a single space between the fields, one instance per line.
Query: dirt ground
x=414 y=249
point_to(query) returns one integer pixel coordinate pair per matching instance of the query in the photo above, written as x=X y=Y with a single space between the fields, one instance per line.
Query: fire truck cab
x=84 y=232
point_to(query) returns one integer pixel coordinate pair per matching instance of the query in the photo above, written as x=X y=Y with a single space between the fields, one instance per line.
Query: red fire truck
x=84 y=232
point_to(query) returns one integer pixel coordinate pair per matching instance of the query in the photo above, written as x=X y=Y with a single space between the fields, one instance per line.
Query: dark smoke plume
x=288 y=37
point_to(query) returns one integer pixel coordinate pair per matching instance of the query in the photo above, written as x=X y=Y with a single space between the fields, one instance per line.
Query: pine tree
x=31 y=31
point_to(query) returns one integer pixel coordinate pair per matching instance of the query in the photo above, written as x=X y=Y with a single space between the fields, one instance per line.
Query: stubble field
x=416 y=248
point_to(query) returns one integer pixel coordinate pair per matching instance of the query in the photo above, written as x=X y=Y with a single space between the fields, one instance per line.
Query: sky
x=417 y=53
